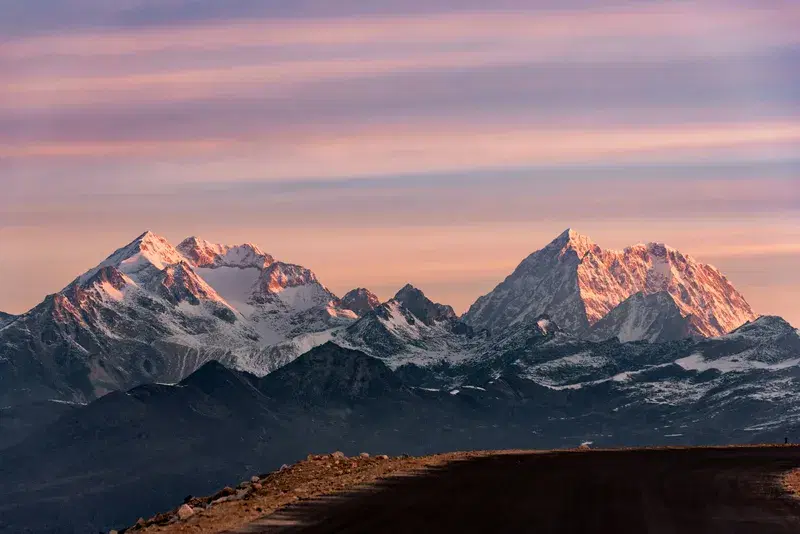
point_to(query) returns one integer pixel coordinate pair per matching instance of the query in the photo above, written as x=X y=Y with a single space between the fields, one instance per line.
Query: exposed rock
x=338 y=455
x=361 y=301
x=185 y=512
x=227 y=491
x=364 y=455
x=578 y=283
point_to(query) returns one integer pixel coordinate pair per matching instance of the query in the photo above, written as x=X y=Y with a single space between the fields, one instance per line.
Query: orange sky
x=434 y=142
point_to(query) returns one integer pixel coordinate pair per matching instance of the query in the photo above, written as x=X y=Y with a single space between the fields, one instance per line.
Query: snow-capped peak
x=360 y=300
x=202 y=253
x=578 y=284
x=570 y=239
x=146 y=252
x=422 y=307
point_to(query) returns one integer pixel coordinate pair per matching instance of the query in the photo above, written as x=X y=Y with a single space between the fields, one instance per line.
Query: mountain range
x=110 y=388
x=151 y=312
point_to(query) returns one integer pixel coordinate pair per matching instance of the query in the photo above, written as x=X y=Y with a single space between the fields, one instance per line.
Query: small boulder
x=224 y=492
x=257 y=486
x=338 y=454
x=254 y=479
x=364 y=455
x=185 y=512
x=382 y=457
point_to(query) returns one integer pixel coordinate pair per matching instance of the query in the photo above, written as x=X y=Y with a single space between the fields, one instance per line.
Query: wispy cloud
x=419 y=148
x=264 y=54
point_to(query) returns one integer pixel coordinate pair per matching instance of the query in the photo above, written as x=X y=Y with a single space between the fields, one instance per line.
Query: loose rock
x=338 y=454
x=185 y=512
x=382 y=457
x=224 y=492
x=364 y=455
x=254 y=479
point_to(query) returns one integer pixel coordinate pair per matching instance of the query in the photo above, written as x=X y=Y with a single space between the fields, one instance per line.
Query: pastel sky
x=380 y=142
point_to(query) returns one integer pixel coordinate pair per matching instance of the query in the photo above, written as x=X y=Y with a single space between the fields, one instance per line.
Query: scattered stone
x=257 y=486
x=254 y=479
x=364 y=455
x=185 y=512
x=284 y=467
x=224 y=492
x=584 y=447
x=113 y=532
x=162 y=518
x=382 y=457
x=338 y=454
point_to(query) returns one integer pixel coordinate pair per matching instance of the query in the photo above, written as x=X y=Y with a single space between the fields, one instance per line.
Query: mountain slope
x=577 y=283
x=410 y=328
x=6 y=318
x=360 y=300
x=654 y=318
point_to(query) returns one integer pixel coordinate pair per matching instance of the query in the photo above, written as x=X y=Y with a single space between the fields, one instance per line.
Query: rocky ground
x=630 y=490
x=263 y=494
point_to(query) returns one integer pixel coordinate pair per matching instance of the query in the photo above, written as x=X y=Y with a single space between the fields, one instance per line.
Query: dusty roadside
x=263 y=494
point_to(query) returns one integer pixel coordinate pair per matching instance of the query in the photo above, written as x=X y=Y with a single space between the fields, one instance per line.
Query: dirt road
x=680 y=491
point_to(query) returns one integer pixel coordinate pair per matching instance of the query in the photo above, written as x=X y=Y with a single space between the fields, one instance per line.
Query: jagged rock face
x=291 y=285
x=360 y=300
x=6 y=318
x=654 y=318
x=423 y=308
x=202 y=253
x=577 y=283
x=411 y=328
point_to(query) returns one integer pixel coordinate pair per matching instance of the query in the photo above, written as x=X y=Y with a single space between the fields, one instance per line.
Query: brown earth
x=733 y=490
x=315 y=477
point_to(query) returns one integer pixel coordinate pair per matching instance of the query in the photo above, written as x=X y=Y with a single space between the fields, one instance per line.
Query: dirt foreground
x=736 y=490
x=317 y=476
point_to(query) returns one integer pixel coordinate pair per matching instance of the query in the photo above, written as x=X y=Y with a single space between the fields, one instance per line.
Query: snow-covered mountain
x=654 y=318
x=577 y=283
x=360 y=300
x=410 y=328
x=151 y=312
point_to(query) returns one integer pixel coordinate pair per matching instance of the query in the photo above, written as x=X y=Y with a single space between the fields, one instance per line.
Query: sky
x=380 y=142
